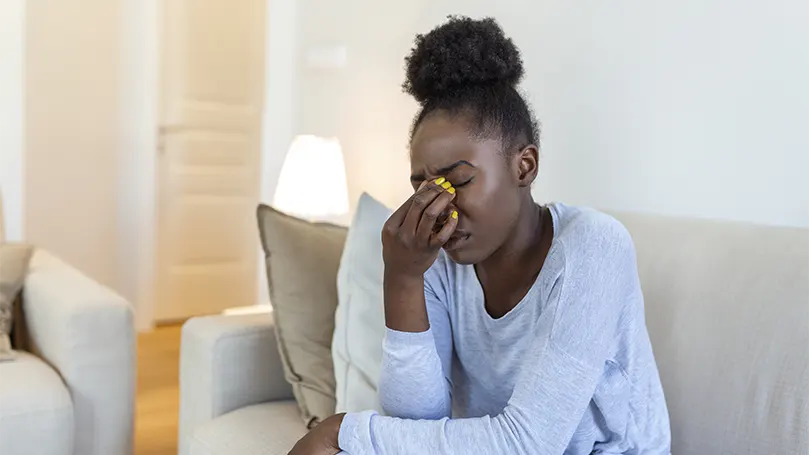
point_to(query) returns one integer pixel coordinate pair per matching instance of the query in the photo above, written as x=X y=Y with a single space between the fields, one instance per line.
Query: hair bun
x=461 y=54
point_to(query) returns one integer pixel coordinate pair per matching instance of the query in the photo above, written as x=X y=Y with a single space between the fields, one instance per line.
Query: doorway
x=211 y=92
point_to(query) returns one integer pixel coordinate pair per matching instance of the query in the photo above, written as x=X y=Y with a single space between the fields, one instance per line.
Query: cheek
x=487 y=206
x=480 y=201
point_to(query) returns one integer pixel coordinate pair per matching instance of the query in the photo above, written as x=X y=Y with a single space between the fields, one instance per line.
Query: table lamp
x=312 y=184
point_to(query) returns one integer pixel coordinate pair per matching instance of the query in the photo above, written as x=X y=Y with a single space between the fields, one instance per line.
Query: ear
x=526 y=165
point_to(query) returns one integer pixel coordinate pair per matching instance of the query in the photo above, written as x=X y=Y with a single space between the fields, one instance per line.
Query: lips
x=457 y=240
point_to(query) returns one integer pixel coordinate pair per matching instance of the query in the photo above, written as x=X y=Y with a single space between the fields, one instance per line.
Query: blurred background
x=138 y=136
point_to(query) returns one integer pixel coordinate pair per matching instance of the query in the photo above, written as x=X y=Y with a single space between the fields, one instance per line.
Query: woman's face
x=489 y=188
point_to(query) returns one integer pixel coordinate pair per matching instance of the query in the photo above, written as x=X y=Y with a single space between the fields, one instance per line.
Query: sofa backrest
x=727 y=308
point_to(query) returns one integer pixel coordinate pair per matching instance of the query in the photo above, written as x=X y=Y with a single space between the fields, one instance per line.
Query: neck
x=521 y=243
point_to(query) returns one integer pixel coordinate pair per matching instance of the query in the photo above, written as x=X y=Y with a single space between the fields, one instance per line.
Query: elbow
x=401 y=398
x=414 y=409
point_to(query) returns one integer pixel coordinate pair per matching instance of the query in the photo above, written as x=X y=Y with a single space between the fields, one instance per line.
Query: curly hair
x=470 y=67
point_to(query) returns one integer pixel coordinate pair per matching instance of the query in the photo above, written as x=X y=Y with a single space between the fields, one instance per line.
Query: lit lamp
x=312 y=184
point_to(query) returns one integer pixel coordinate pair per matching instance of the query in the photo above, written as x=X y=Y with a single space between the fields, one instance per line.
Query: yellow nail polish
x=455 y=214
x=440 y=180
x=446 y=185
x=451 y=190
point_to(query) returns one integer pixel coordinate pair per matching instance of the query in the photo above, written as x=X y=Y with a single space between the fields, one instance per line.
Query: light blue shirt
x=569 y=370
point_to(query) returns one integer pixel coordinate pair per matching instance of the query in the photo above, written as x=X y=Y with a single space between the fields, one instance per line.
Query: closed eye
x=467 y=182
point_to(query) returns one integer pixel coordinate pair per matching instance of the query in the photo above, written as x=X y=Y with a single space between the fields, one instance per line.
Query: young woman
x=511 y=327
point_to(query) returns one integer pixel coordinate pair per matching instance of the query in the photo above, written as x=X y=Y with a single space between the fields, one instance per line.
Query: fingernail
x=451 y=190
x=440 y=180
x=455 y=214
x=445 y=185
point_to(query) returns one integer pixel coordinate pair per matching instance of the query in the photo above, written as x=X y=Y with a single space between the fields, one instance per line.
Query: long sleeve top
x=569 y=370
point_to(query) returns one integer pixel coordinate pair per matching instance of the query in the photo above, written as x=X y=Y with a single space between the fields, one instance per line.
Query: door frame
x=280 y=93
x=140 y=96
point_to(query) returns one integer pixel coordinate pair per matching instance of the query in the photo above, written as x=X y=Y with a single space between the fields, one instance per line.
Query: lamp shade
x=312 y=183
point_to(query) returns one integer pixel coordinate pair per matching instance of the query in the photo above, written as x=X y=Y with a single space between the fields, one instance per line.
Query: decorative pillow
x=360 y=318
x=302 y=259
x=14 y=260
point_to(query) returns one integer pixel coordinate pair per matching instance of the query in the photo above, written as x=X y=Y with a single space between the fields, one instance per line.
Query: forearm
x=412 y=383
x=405 y=309
x=379 y=435
x=540 y=419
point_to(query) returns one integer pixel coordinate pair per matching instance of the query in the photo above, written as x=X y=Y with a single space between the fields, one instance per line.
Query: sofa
x=72 y=390
x=727 y=308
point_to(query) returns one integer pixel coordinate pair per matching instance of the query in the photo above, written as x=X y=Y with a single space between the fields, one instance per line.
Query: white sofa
x=727 y=307
x=73 y=392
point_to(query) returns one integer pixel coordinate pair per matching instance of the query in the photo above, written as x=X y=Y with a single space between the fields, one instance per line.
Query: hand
x=410 y=238
x=322 y=439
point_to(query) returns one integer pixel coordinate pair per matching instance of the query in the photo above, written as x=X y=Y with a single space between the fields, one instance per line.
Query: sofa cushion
x=302 y=260
x=263 y=429
x=360 y=319
x=14 y=260
x=36 y=412
x=727 y=306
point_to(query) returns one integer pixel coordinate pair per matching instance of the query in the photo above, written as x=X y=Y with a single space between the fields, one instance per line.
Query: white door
x=209 y=155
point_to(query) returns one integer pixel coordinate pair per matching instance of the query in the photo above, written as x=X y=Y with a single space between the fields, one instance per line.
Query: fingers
x=442 y=236
x=431 y=214
x=397 y=218
x=420 y=201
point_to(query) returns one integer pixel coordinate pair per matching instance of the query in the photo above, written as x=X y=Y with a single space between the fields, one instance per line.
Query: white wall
x=137 y=185
x=691 y=108
x=278 y=124
x=12 y=166
x=73 y=104
x=76 y=134
x=89 y=138
x=697 y=108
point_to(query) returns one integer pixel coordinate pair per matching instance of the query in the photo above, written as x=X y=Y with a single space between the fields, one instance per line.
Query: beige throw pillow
x=302 y=259
x=14 y=260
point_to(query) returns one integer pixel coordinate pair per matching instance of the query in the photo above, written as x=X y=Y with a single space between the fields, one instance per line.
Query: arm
x=574 y=340
x=418 y=343
x=414 y=381
x=85 y=331
x=227 y=362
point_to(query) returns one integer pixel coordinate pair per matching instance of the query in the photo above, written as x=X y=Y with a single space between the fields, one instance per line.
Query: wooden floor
x=158 y=392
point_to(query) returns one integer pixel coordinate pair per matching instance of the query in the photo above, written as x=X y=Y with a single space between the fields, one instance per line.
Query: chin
x=467 y=251
x=464 y=256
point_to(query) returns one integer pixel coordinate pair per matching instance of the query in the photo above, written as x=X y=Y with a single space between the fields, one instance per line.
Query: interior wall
x=89 y=138
x=137 y=185
x=73 y=105
x=12 y=166
x=693 y=108
x=696 y=108
x=278 y=124
x=76 y=135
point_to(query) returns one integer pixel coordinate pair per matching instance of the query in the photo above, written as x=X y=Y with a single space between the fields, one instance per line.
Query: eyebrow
x=443 y=171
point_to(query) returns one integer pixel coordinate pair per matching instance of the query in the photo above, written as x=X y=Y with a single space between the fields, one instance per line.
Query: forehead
x=442 y=139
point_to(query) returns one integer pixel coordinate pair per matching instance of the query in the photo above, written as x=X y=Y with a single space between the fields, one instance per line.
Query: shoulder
x=588 y=235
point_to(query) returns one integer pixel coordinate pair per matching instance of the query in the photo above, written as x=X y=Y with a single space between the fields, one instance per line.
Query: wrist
x=335 y=422
x=392 y=278
x=405 y=310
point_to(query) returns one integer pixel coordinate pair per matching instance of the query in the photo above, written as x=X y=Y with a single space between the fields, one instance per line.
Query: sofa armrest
x=86 y=332
x=226 y=363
